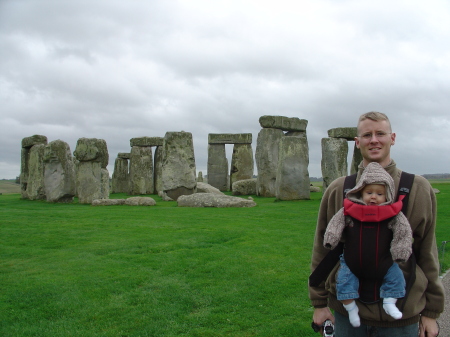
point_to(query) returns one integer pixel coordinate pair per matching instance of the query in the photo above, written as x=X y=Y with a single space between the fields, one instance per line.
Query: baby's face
x=374 y=194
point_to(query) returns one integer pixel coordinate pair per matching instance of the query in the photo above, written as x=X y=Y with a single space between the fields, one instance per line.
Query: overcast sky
x=117 y=70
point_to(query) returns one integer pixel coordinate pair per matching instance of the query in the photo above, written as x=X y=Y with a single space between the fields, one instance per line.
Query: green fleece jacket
x=427 y=294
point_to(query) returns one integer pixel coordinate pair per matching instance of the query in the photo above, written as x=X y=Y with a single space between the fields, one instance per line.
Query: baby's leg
x=393 y=287
x=347 y=290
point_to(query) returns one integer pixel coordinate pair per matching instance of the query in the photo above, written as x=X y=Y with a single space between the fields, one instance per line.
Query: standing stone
x=266 y=155
x=334 y=159
x=92 y=177
x=179 y=171
x=27 y=144
x=356 y=160
x=141 y=170
x=241 y=163
x=59 y=172
x=200 y=177
x=92 y=149
x=120 y=182
x=218 y=167
x=292 y=181
x=35 y=186
x=157 y=174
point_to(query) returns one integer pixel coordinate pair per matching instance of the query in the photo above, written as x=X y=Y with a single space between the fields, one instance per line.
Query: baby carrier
x=368 y=256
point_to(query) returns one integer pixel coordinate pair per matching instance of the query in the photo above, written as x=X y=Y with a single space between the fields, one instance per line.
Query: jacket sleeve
x=334 y=230
x=401 y=246
x=330 y=204
x=421 y=213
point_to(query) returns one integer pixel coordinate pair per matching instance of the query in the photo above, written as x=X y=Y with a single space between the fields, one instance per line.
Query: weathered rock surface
x=229 y=138
x=356 y=160
x=59 y=172
x=108 y=202
x=283 y=123
x=314 y=189
x=207 y=188
x=348 y=133
x=178 y=165
x=334 y=159
x=92 y=149
x=28 y=142
x=90 y=181
x=140 y=201
x=213 y=200
x=292 y=182
x=146 y=141
x=141 y=171
x=35 y=189
x=157 y=172
x=244 y=187
x=266 y=155
x=217 y=166
x=120 y=182
x=241 y=163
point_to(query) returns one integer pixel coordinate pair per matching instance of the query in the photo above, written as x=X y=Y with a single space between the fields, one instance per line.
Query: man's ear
x=357 y=142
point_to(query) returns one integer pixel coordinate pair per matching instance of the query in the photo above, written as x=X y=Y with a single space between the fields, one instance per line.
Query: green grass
x=78 y=270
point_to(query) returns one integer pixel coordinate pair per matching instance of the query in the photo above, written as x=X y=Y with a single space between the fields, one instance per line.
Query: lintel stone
x=28 y=142
x=283 y=123
x=348 y=133
x=146 y=141
x=229 y=138
x=124 y=155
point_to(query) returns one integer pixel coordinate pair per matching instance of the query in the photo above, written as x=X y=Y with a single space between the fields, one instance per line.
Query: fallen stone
x=213 y=200
x=314 y=189
x=108 y=202
x=244 y=187
x=140 y=201
x=207 y=188
x=436 y=191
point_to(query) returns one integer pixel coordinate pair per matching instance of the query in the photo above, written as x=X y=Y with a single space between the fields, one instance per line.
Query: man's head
x=375 y=138
x=374 y=194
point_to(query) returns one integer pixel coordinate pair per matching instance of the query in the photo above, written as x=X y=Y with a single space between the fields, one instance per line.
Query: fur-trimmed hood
x=373 y=173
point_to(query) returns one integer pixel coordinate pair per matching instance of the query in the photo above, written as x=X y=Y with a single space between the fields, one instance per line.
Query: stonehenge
x=334 y=154
x=92 y=176
x=166 y=165
x=241 y=162
x=59 y=172
x=282 y=158
x=32 y=167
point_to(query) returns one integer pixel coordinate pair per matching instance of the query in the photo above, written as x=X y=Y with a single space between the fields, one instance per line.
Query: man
x=425 y=300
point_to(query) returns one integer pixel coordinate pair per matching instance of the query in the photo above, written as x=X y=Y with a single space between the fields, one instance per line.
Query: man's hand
x=321 y=315
x=428 y=327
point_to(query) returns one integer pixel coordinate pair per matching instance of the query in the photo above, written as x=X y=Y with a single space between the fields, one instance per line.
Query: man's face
x=375 y=140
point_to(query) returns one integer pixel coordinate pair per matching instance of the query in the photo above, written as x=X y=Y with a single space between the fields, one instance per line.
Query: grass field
x=78 y=270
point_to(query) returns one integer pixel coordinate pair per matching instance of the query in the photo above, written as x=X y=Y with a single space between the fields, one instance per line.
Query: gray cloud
x=117 y=70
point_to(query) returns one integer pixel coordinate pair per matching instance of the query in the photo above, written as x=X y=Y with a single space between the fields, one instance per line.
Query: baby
x=375 y=187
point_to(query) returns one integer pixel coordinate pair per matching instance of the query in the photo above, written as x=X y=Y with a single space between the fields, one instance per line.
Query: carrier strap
x=325 y=267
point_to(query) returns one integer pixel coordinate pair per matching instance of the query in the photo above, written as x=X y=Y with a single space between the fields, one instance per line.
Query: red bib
x=368 y=213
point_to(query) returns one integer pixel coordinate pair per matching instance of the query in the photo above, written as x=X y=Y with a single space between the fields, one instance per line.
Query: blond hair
x=375 y=116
